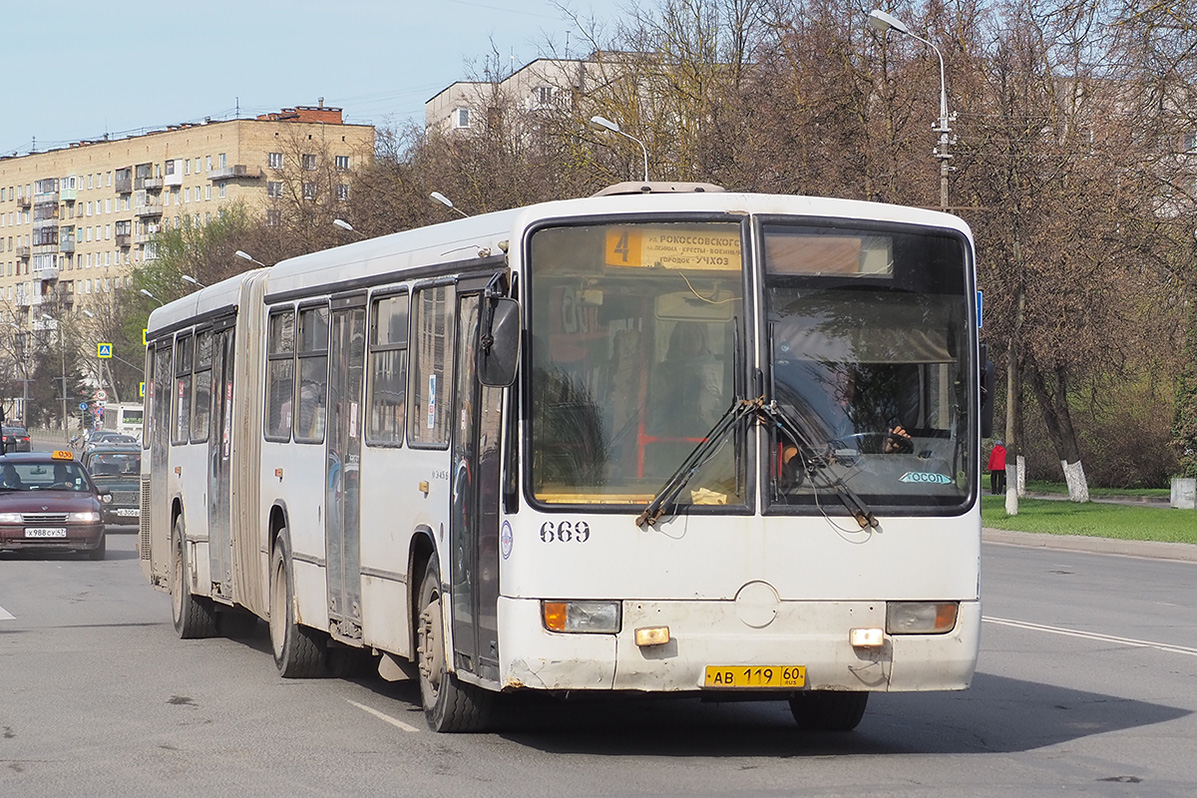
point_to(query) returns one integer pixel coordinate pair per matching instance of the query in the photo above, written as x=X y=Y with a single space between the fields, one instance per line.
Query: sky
x=80 y=69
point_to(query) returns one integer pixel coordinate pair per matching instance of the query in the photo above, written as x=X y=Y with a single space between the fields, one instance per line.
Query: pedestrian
x=997 y=469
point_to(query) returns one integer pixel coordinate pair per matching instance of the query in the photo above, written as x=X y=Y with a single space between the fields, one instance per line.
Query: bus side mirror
x=986 y=391
x=498 y=342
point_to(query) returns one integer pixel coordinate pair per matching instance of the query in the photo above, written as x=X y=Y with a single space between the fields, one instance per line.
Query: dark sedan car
x=16 y=439
x=116 y=468
x=49 y=503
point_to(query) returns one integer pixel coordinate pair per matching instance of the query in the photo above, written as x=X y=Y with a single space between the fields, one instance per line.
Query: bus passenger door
x=155 y=541
x=220 y=543
x=342 y=527
x=474 y=519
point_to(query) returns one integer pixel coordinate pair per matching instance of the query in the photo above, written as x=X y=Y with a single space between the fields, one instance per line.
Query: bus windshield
x=869 y=347
x=633 y=334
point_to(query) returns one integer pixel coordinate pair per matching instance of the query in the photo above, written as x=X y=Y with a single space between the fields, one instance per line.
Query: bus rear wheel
x=449 y=704
x=298 y=650
x=194 y=616
x=828 y=710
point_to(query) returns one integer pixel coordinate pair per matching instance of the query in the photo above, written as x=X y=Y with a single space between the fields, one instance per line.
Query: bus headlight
x=596 y=617
x=88 y=517
x=920 y=617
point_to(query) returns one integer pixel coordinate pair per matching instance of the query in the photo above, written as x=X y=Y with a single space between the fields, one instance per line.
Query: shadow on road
x=997 y=715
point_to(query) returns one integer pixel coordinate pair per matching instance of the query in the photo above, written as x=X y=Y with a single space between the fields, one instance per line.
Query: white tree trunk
x=1078 y=486
x=1013 y=478
x=1022 y=477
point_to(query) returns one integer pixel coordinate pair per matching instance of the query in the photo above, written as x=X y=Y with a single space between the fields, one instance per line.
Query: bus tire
x=449 y=704
x=194 y=616
x=829 y=710
x=298 y=650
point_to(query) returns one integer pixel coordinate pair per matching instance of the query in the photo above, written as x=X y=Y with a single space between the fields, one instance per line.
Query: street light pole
x=62 y=353
x=883 y=22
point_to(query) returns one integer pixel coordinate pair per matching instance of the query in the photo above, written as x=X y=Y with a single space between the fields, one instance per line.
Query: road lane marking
x=5 y=615
x=383 y=716
x=1060 y=630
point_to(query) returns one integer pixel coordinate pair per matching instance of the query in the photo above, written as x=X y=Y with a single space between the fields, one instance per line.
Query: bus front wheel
x=194 y=616
x=298 y=650
x=449 y=704
x=828 y=710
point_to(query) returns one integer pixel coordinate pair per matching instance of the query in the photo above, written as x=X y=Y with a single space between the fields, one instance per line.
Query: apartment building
x=74 y=222
x=541 y=85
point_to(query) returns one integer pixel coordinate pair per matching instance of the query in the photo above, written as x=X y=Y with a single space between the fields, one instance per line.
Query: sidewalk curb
x=1182 y=552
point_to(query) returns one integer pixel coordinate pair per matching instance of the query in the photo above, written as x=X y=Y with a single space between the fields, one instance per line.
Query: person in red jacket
x=997 y=469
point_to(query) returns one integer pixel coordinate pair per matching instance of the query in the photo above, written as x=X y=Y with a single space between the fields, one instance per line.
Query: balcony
x=143 y=238
x=237 y=172
x=24 y=202
x=124 y=185
x=67 y=243
x=175 y=179
x=147 y=184
x=46 y=198
x=68 y=194
x=38 y=224
x=23 y=253
x=149 y=209
x=123 y=240
x=46 y=273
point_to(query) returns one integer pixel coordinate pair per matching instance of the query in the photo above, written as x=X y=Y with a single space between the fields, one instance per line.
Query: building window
x=274 y=188
x=208 y=163
x=187 y=166
x=461 y=117
x=207 y=192
x=222 y=160
x=222 y=190
x=342 y=163
x=309 y=163
x=342 y=191
x=309 y=191
x=1191 y=141
x=273 y=218
x=274 y=160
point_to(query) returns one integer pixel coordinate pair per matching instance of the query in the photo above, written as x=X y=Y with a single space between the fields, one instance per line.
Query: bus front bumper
x=813 y=636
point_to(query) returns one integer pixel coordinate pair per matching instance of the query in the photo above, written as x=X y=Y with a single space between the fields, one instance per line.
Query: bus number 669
x=564 y=531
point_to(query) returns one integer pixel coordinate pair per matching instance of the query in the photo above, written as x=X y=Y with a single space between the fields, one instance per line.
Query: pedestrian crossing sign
x=103 y=350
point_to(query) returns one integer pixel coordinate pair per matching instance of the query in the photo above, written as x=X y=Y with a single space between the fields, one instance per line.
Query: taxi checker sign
x=103 y=350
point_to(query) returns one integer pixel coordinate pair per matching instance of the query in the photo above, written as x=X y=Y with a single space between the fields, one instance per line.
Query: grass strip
x=1093 y=519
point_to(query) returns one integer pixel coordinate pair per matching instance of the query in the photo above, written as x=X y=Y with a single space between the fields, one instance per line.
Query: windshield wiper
x=813 y=466
x=702 y=453
x=772 y=414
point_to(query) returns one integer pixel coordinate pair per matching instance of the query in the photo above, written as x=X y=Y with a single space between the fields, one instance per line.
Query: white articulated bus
x=675 y=440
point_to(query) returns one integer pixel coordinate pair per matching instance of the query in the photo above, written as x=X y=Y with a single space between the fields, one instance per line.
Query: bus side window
x=280 y=375
x=388 y=371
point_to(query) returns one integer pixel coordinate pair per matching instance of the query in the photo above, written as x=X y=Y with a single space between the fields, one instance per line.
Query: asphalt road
x=1086 y=686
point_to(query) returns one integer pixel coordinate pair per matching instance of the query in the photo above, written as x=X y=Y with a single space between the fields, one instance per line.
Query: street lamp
x=344 y=225
x=246 y=256
x=602 y=123
x=144 y=292
x=187 y=278
x=62 y=352
x=883 y=22
x=437 y=196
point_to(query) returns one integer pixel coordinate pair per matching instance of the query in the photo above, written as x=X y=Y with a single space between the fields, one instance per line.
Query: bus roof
x=478 y=237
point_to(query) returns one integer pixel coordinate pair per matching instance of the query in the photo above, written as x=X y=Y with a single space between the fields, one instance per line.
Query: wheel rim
x=278 y=609
x=430 y=650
